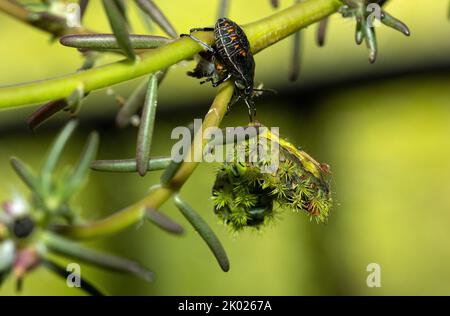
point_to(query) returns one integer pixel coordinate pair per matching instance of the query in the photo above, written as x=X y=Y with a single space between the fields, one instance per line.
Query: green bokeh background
x=383 y=128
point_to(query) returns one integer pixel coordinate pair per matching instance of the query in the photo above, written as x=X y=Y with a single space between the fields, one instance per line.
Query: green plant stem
x=266 y=32
x=261 y=34
x=136 y=212
x=119 y=220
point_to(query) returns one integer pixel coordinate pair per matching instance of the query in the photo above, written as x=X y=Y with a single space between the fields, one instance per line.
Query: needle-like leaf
x=81 y=170
x=163 y=221
x=146 y=20
x=135 y=102
x=295 y=58
x=129 y=165
x=64 y=247
x=321 y=31
x=224 y=5
x=85 y=285
x=371 y=41
x=119 y=27
x=25 y=173
x=72 y=104
x=204 y=231
x=170 y=171
x=83 y=6
x=122 y=6
x=90 y=58
x=45 y=112
x=394 y=23
x=56 y=25
x=150 y=8
x=132 y=105
x=147 y=124
x=294 y=71
x=275 y=3
x=109 y=41
x=55 y=152
x=359 y=35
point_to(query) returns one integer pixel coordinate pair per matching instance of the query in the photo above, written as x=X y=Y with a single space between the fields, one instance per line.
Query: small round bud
x=23 y=227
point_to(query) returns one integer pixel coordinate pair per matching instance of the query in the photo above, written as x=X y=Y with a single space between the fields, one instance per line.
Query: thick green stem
x=268 y=31
x=117 y=221
x=261 y=34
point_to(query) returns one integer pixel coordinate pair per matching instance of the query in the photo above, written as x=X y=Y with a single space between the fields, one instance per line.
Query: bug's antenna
x=266 y=90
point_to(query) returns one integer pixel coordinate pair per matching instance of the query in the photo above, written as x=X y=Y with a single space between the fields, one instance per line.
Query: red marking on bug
x=219 y=67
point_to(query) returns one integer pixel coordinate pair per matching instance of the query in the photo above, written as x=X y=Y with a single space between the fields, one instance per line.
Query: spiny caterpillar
x=244 y=196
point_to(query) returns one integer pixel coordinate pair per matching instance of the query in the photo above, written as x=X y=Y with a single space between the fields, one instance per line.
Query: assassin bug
x=228 y=58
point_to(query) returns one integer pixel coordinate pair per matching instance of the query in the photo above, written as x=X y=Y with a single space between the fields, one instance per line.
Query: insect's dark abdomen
x=228 y=35
x=234 y=50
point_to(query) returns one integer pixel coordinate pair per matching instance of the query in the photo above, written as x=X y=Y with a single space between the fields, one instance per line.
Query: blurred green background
x=383 y=128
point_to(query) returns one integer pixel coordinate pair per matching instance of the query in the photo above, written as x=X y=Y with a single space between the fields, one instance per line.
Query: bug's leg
x=265 y=90
x=206 y=46
x=251 y=109
x=210 y=79
x=233 y=102
x=222 y=80
x=201 y=29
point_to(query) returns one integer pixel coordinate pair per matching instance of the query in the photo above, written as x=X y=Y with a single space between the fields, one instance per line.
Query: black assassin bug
x=228 y=58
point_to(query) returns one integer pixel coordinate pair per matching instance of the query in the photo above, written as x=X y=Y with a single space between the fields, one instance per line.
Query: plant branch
x=261 y=34
x=136 y=212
